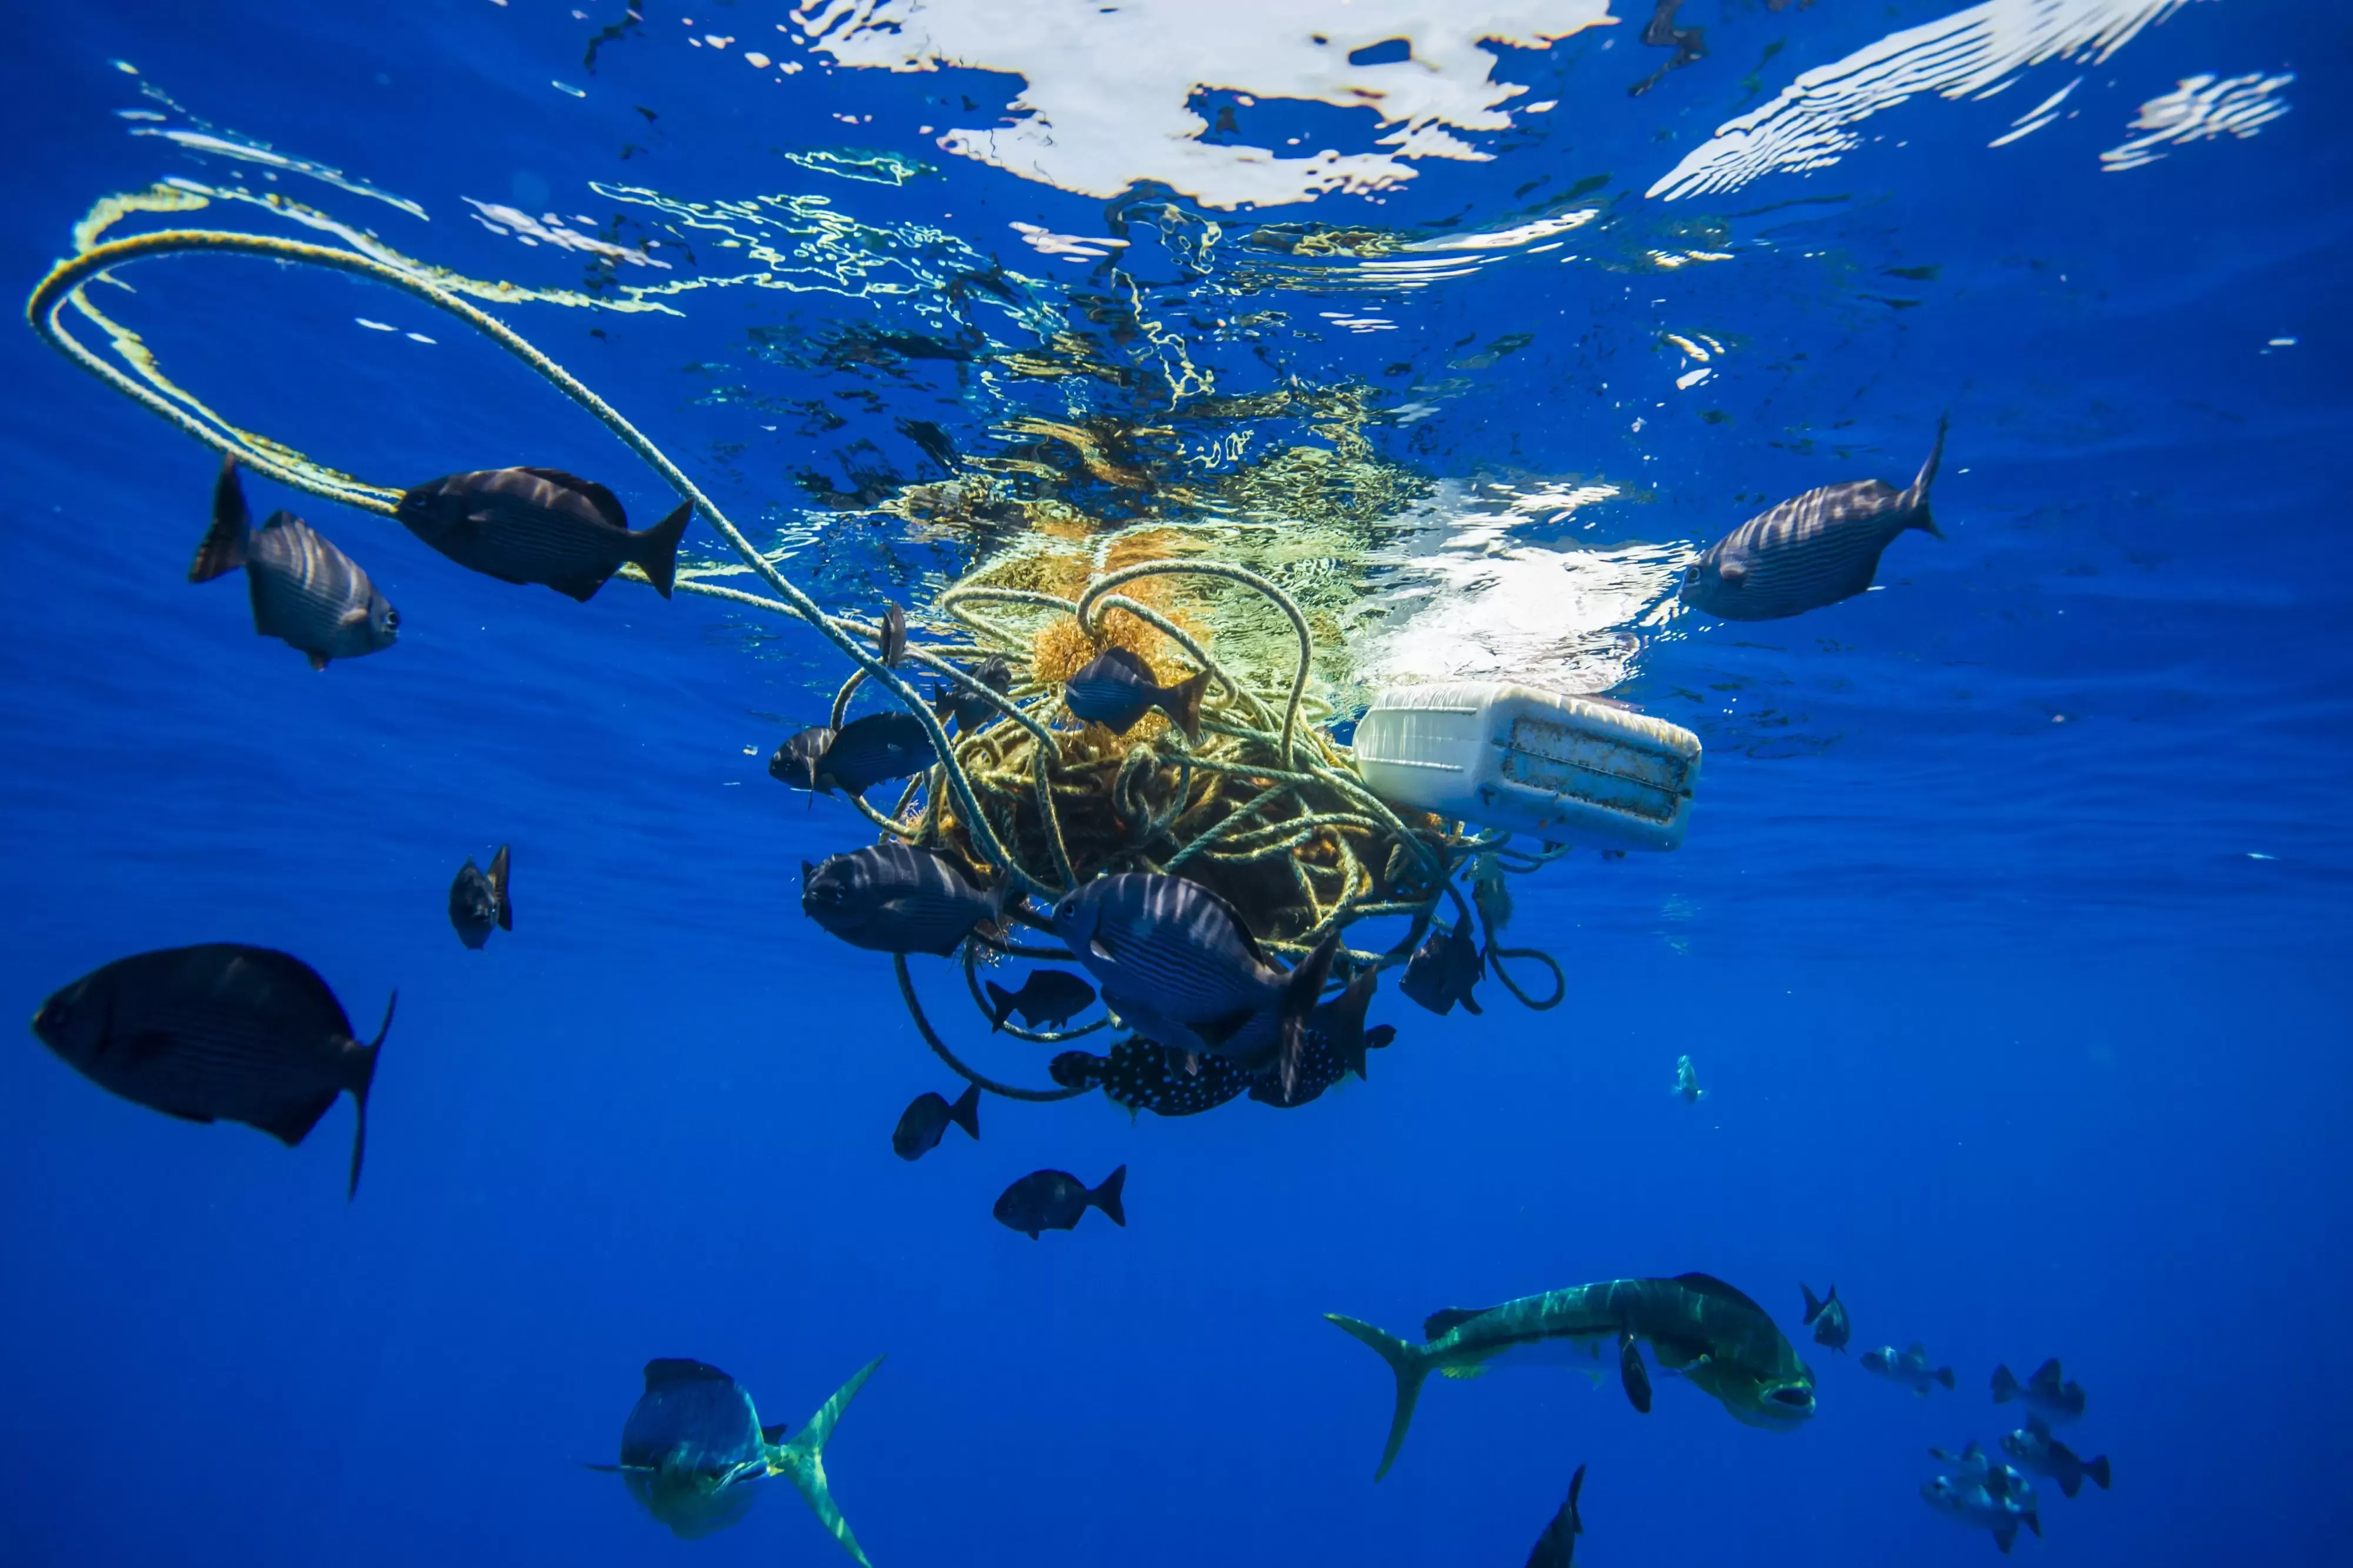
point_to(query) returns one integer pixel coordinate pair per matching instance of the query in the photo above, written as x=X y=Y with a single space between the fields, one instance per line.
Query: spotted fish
x=1811 y=551
x=306 y=593
x=541 y=525
x=1144 y=1075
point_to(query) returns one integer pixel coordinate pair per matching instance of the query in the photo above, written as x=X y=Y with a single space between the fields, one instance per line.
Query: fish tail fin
x=656 y=549
x=803 y=1460
x=1916 y=499
x=1107 y=1197
x=1814 y=1304
x=2098 y=1470
x=966 y=1111
x=2005 y=1387
x=1346 y=1027
x=360 y=1095
x=223 y=549
x=1945 y=1376
x=498 y=876
x=1182 y=702
x=1300 y=994
x=1410 y=1364
x=1000 y=1005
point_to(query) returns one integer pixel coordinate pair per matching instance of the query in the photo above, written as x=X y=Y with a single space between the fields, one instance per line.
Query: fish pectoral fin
x=1217 y=1031
x=291 y=1125
x=1463 y=1374
x=317 y=661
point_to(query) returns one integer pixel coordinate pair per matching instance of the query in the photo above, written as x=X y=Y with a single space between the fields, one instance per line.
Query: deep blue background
x=2006 y=1030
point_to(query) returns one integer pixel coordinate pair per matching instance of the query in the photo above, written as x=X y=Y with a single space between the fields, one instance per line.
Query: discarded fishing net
x=1264 y=807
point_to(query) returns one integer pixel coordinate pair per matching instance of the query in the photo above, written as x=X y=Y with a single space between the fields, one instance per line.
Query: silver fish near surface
x=541 y=525
x=305 y=592
x=217 y=1032
x=478 y=900
x=1811 y=551
x=894 y=897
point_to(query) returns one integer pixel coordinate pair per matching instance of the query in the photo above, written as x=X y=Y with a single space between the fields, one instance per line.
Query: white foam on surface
x=2197 y=109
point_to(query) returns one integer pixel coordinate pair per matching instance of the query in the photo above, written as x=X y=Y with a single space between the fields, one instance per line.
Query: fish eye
x=1691 y=573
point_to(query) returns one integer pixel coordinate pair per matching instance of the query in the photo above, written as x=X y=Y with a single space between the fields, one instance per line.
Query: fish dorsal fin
x=1973 y=1454
x=774 y=1434
x=1250 y=940
x=2046 y=1376
x=1917 y=1350
x=665 y=1372
x=1129 y=661
x=608 y=505
x=1446 y=1319
x=1709 y=1285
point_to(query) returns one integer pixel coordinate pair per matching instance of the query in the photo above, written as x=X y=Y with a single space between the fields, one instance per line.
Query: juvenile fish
x=305 y=592
x=1444 y=968
x=1909 y=1367
x=796 y=761
x=218 y=1032
x=1116 y=689
x=2038 y=1452
x=1176 y=963
x=1056 y=1200
x=1811 y=551
x=1049 y=999
x=968 y=709
x=894 y=897
x=541 y=525
x=922 y=1123
x=890 y=641
x=478 y=900
x=1557 y=1547
x=2049 y=1394
x=869 y=750
x=1827 y=1317
x=693 y=1446
x=1687 y=1081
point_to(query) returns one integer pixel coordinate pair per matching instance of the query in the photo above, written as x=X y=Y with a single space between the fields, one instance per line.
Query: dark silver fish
x=922 y=1123
x=891 y=643
x=1556 y=1548
x=693 y=1446
x=478 y=900
x=1049 y=999
x=218 y=1032
x=1176 y=963
x=1812 y=551
x=970 y=710
x=541 y=525
x=869 y=750
x=1908 y=1366
x=1981 y=1508
x=1116 y=689
x=2038 y=1452
x=305 y=592
x=1056 y=1200
x=796 y=761
x=1444 y=968
x=2049 y=1394
x=1828 y=1318
x=894 y=897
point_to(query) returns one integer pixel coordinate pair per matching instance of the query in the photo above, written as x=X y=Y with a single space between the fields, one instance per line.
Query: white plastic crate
x=1512 y=757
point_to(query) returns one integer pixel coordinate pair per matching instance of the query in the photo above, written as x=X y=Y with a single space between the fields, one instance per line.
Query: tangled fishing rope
x=1266 y=811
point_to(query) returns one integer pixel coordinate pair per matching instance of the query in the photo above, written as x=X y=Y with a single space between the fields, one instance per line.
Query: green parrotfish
x=1716 y=1337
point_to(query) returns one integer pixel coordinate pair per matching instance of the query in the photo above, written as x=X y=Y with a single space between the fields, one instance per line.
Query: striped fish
x=1720 y=1341
x=794 y=762
x=541 y=525
x=1820 y=548
x=1116 y=689
x=1176 y=963
x=694 y=1445
x=219 y=1032
x=894 y=897
x=306 y=593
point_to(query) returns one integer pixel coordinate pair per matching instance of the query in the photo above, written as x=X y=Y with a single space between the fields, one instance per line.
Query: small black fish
x=796 y=761
x=1116 y=689
x=1144 y=1075
x=1828 y=1317
x=1634 y=1374
x=969 y=710
x=1049 y=999
x=1444 y=969
x=869 y=750
x=541 y=525
x=894 y=897
x=922 y=1124
x=2036 y=1450
x=218 y=1032
x=2049 y=1394
x=478 y=900
x=1556 y=1548
x=1811 y=551
x=1056 y=1200
x=891 y=642
x=305 y=592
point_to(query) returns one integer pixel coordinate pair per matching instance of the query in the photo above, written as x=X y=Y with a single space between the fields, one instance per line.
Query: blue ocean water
x=2006 y=937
